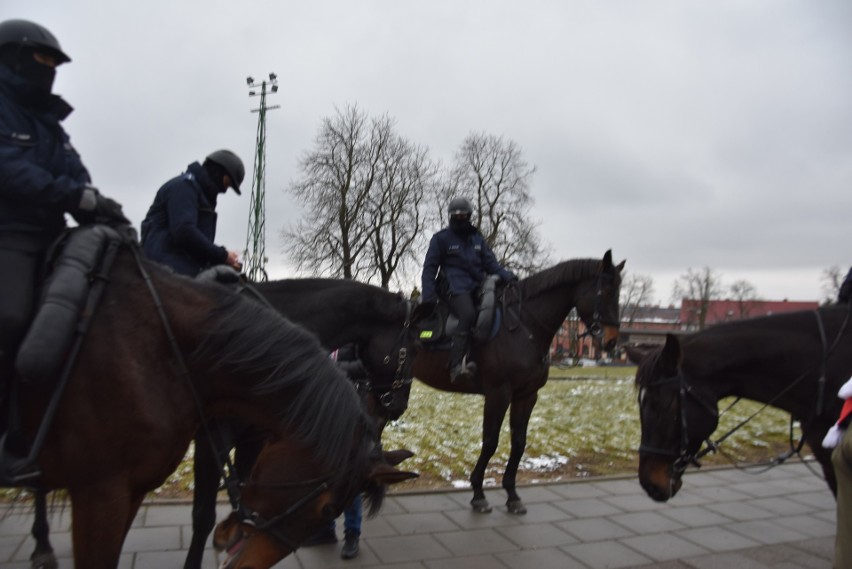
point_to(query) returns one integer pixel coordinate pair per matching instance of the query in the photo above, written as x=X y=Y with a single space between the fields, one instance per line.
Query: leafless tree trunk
x=407 y=177
x=492 y=173
x=636 y=291
x=832 y=278
x=746 y=297
x=700 y=287
x=338 y=178
x=363 y=188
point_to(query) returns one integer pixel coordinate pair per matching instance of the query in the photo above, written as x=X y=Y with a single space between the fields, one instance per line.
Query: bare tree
x=832 y=278
x=636 y=291
x=746 y=297
x=697 y=288
x=407 y=177
x=338 y=177
x=493 y=174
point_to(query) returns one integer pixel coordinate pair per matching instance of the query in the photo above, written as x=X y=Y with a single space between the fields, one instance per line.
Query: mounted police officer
x=41 y=176
x=464 y=259
x=180 y=227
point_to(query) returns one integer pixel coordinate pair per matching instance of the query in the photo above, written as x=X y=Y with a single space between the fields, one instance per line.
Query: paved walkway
x=726 y=519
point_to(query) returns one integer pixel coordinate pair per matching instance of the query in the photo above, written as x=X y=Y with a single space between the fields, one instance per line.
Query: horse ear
x=607 y=259
x=394 y=457
x=670 y=357
x=620 y=266
x=637 y=354
x=385 y=474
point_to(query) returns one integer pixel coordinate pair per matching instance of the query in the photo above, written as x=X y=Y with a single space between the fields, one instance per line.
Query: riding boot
x=460 y=367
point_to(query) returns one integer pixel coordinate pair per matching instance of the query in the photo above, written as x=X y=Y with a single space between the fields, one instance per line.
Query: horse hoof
x=516 y=507
x=481 y=506
x=43 y=561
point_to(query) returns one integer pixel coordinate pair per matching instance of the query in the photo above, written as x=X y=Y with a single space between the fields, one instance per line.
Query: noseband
x=595 y=329
x=683 y=458
x=271 y=526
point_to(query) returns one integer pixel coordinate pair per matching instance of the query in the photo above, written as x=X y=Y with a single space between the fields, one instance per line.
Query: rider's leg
x=17 y=297
x=463 y=307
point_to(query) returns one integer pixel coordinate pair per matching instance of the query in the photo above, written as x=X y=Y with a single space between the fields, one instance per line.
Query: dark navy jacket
x=41 y=175
x=464 y=260
x=180 y=226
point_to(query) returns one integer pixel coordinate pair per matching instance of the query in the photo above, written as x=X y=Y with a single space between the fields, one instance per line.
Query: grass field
x=586 y=424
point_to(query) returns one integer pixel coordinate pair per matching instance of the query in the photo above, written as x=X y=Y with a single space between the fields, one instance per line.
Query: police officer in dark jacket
x=180 y=227
x=464 y=259
x=41 y=175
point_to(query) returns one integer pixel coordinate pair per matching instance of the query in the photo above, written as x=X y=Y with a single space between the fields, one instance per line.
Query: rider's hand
x=234 y=260
x=96 y=208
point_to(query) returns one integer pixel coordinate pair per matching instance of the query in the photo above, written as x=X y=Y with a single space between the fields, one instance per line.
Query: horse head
x=597 y=302
x=677 y=415
x=290 y=496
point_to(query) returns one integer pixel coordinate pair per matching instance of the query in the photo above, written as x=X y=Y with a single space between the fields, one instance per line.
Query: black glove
x=512 y=278
x=95 y=208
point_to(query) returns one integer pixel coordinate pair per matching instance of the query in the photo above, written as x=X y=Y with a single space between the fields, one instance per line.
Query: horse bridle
x=683 y=458
x=402 y=373
x=271 y=526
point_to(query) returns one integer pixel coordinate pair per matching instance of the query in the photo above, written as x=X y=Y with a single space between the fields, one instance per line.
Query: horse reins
x=229 y=473
x=684 y=458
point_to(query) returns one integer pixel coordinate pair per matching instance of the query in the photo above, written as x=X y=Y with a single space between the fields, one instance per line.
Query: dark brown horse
x=514 y=365
x=146 y=372
x=338 y=312
x=795 y=362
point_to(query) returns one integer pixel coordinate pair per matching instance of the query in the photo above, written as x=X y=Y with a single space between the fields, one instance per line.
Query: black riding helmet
x=460 y=206
x=232 y=165
x=28 y=34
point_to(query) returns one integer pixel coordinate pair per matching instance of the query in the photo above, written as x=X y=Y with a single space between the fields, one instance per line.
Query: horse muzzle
x=244 y=547
x=609 y=337
x=658 y=478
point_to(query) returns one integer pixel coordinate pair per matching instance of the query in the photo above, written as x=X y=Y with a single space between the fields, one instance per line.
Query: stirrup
x=16 y=470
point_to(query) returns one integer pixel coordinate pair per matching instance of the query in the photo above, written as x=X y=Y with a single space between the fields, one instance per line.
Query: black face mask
x=461 y=226
x=23 y=64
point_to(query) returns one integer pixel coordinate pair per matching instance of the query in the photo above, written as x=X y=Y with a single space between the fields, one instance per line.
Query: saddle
x=436 y=331
x=79 y=261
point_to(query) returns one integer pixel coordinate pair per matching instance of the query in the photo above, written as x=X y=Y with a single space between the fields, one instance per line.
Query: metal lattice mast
x=254 y=256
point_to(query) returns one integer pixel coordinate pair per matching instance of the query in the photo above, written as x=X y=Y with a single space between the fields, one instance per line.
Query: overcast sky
x=677 y=133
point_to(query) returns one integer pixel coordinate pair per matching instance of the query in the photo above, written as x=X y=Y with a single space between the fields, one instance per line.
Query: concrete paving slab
x=720 y=519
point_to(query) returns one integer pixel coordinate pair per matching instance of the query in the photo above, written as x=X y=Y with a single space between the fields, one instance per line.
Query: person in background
x=348 y=360
x=41 y=179
x=839 y=437
x=464 y=259
x=180 y=227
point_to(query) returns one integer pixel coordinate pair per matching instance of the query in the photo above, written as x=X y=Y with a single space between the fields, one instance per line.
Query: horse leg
x=43 y=556
x=101 y=515
x=206 y=472
x=519 y=419
x=495 y=410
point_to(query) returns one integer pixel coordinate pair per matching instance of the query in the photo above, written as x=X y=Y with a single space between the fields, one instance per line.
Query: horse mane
x=288 y=372
x=567 y=271
x=728 y=343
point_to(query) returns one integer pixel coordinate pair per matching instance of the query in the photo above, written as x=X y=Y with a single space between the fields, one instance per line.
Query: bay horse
x=337 y=312
x=794 y=361
x=514 y=365
x=161 y=351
